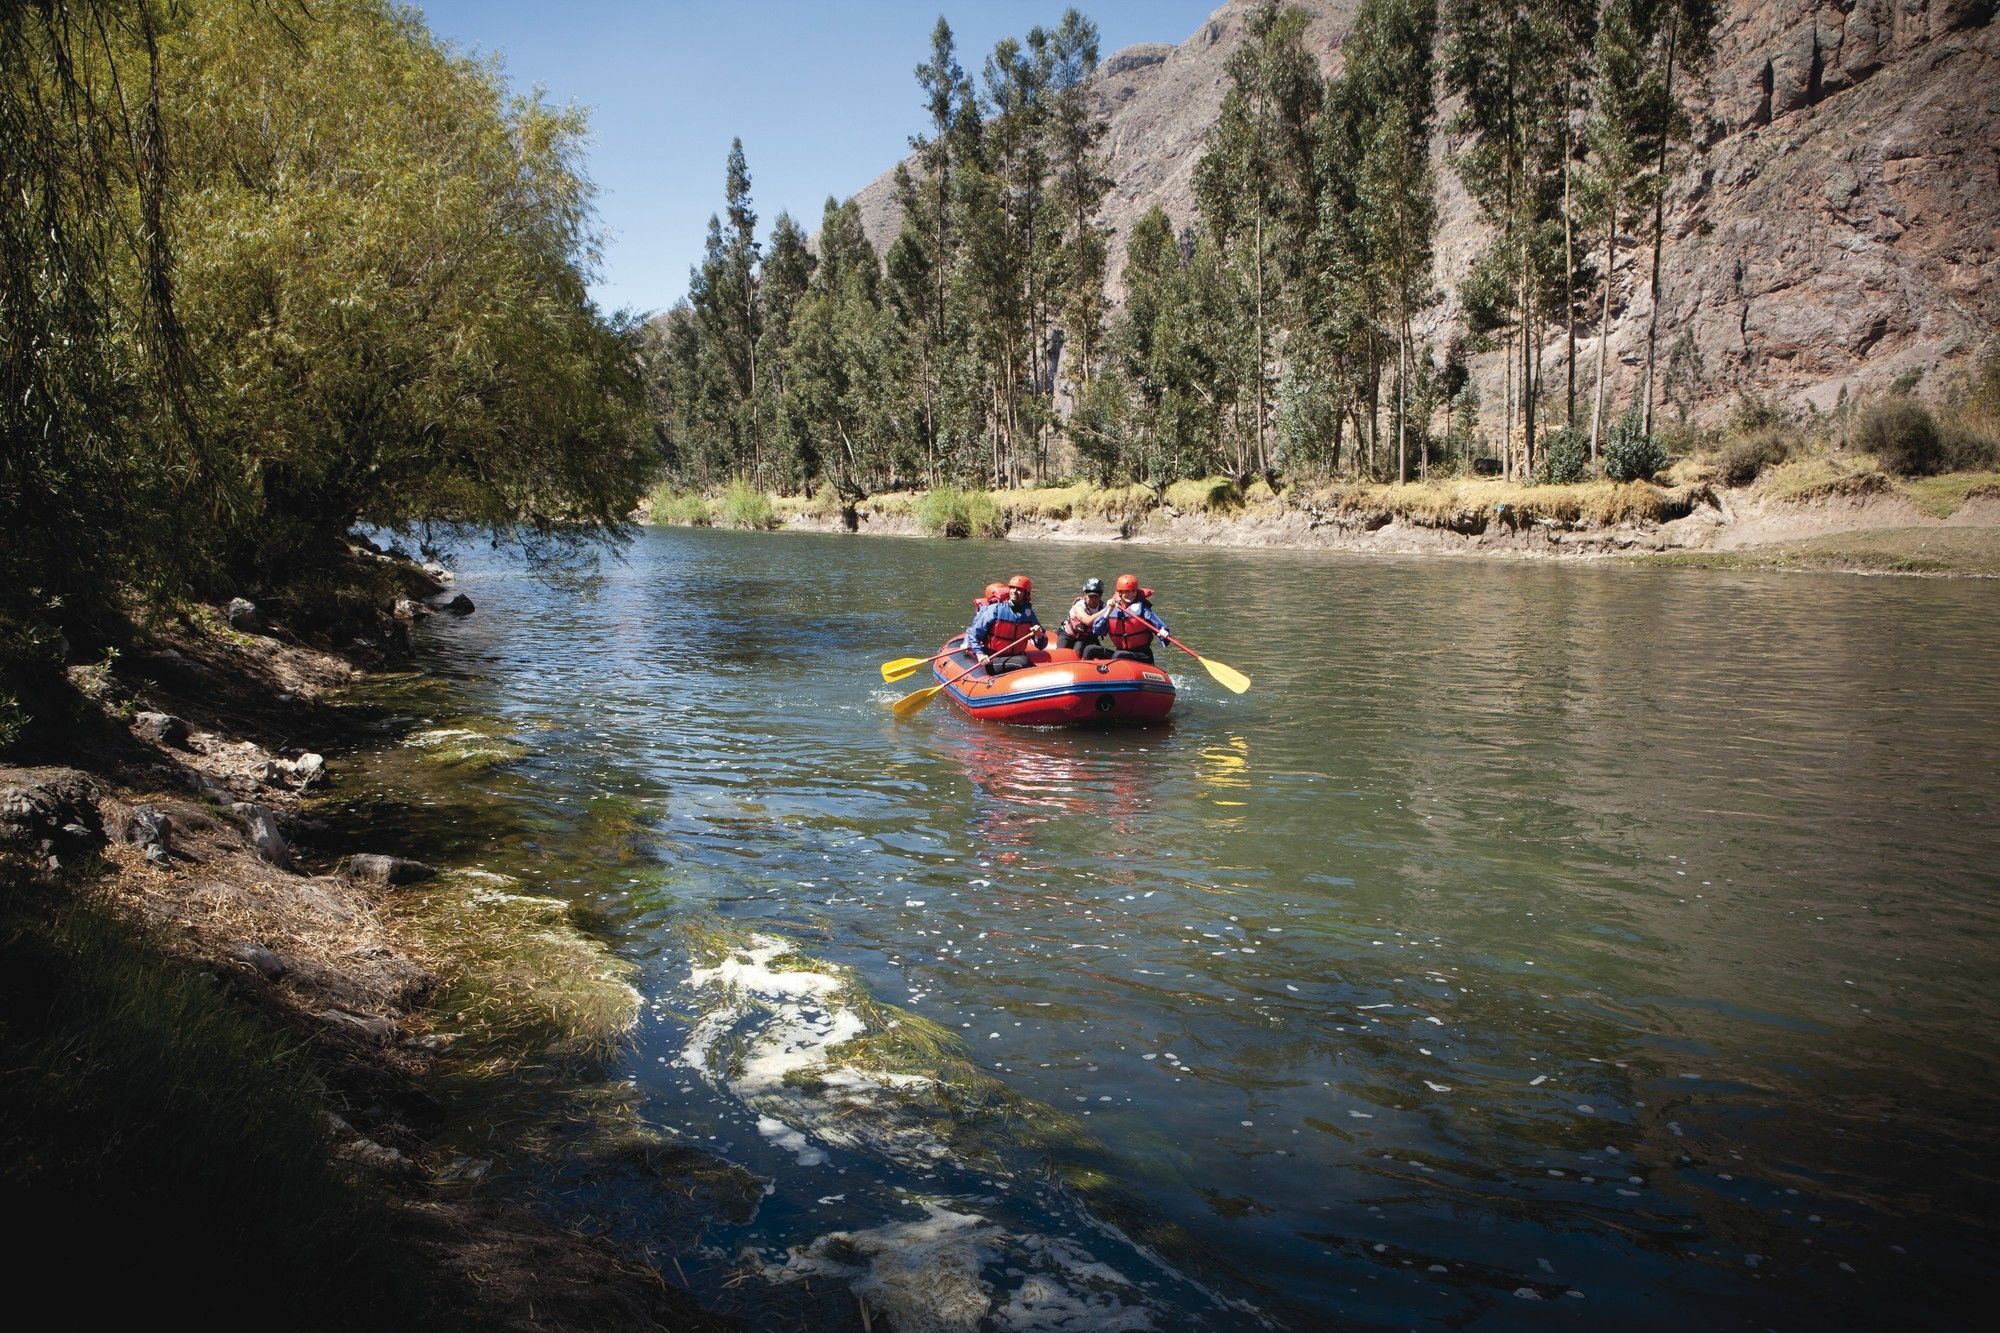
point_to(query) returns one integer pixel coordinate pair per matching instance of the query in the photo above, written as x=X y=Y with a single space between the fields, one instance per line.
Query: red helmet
x=1023 y=582
x=1127 y=583
x=995 y=592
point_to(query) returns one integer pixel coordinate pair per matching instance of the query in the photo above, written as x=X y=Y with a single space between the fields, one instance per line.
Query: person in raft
x=1075 y=632
x=1004 y=629
x=995 y=592
x=1129 y=622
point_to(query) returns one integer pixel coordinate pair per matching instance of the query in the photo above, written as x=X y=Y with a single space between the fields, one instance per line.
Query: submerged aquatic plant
x=522 y=983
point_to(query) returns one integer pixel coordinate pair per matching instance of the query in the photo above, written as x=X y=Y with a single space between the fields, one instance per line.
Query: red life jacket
x=1127 y=632
x=1005 y=633
x=1080 y=616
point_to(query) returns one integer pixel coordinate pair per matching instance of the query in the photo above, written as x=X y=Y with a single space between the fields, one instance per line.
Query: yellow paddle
x=915 y=701
x=905 y=667
x=1225 y=675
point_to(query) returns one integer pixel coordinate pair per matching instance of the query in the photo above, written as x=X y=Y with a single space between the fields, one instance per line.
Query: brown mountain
x=1837 y=229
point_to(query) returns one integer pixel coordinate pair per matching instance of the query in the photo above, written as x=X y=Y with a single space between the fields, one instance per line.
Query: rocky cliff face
x=1838 y=227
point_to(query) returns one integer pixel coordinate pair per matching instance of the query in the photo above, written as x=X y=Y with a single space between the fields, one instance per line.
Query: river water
x=1533 y=942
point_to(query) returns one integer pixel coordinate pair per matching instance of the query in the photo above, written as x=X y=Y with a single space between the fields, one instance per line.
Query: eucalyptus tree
x=787 y=269
x=840 y=392
x=1498 y=57
x=927 y=249
x=1682 y=46
x=1396 y=192
x=1614 y=183
x=1255 y=184
x=1075 y=130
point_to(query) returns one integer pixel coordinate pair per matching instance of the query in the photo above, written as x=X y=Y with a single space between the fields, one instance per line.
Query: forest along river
x=1590 y=942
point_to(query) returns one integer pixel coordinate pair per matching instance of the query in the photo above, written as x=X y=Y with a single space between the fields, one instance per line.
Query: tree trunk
x=1569 y=266
x=1527 y=371
x=1659 y=226
x=1402 y=405
x=1603 y=331
x=1258 y=369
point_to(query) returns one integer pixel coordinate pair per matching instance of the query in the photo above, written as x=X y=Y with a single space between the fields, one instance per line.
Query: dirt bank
x=174 y=812
x=1880 y=529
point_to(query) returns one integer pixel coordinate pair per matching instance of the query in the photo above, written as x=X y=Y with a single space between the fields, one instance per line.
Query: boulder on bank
x=460 y=604
x=47 y=812
x=162 y=728
x=261 y=823
x=243 y=615
x=260 y=960
x=374 y=868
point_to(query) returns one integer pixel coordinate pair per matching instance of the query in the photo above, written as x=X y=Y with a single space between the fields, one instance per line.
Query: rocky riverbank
x=176 y=818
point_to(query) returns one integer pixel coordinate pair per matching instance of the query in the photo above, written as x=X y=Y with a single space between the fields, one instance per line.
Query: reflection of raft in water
x=1060 y=689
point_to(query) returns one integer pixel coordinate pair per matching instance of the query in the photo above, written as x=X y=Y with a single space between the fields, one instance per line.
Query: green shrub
x=1752 y=413
x=1744 y=456
x=686 y=508
x=744 y=506
x=948 y=511
x=1565 y=457
x=1203 y=495
x=1902 y=435
x=1630 y=454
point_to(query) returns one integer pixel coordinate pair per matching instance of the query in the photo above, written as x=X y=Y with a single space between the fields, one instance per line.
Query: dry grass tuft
x=1940 y=497
x=1804 y=480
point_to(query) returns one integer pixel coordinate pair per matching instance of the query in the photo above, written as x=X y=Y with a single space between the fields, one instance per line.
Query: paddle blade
x=1226 y=676
x=914 y=702
x=903 y=667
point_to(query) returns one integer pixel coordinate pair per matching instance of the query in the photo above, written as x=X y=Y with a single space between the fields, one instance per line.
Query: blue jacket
x=981 y=630
x=1143 y=610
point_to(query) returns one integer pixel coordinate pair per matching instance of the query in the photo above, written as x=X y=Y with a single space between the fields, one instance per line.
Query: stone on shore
x=163 y=728
x=261 y=960
x=460 y=604
x=54 y=811
x=374 y=868
x=261 y=823
x=243 y=615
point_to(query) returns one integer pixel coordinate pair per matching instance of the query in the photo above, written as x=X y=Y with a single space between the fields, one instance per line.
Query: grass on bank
x=740 y=505
x=140 y=1105
x=948 y=511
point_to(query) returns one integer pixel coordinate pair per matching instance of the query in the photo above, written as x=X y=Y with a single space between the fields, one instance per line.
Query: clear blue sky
x=822 y=92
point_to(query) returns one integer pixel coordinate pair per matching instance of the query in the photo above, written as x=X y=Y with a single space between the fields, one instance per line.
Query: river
x=1534 y=942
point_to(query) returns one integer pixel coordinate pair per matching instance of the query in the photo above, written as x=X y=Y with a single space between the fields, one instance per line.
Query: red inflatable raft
x=1059 y=690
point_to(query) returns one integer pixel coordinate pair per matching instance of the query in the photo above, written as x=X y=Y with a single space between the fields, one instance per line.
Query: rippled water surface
x=1574 y=943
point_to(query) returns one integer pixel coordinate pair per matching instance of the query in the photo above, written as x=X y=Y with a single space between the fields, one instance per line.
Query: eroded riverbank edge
x=1873 y=532
x=181 y=811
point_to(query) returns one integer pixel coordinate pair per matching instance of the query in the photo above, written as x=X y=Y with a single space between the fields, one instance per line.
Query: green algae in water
x=522 y=983
x=467 y=747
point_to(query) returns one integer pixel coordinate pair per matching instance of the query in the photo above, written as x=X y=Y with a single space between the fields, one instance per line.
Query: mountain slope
x=1836 y=231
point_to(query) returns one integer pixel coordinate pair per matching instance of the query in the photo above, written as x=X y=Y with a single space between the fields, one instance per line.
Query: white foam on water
x=782 y=1134
x=790 y=1020
x=442 y=736
x=929 y=1274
